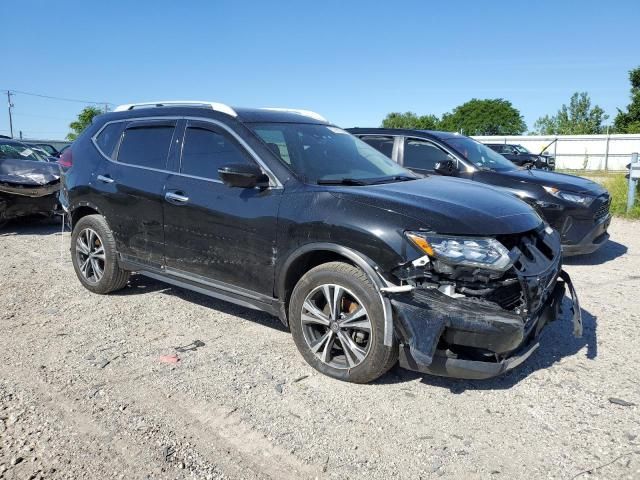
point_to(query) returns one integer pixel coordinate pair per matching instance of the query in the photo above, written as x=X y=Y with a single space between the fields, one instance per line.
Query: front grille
x=603 y=210
x=508 y=297
x=537 y=268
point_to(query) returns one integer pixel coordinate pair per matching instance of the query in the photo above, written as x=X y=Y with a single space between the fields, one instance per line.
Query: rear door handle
x=176 y=198
x=105 y=179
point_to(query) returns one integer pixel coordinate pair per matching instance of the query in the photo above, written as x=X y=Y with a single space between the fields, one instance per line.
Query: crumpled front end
x=469 y=323
x=27 y=188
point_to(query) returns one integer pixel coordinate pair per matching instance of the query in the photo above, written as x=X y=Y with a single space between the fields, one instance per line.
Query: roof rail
x=306 y=113
x=218 y=107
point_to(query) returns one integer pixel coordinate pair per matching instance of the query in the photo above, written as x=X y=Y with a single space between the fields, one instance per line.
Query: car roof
x=405 y=132
x=244 y=115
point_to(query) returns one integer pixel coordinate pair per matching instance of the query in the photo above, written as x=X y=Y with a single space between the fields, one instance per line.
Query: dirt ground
x=83 y=393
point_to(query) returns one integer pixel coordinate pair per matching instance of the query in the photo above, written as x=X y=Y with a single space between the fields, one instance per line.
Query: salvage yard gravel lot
x=84 y=393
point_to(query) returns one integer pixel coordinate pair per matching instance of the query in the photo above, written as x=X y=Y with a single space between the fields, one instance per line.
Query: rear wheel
x=94 y=256
x=337 y=322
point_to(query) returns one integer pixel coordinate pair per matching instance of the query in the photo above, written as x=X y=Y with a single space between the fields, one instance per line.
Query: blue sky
x=352 y=61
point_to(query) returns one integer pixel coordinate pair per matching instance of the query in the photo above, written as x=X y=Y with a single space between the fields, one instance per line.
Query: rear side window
x=423 y=155
x=205 y=150
x=108 y=138
x=382 y=144
x=146 y=146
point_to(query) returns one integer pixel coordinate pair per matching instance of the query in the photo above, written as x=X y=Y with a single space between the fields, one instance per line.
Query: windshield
x=521 y=149
x=479 y=155
x=19 y=151
x=326 y=154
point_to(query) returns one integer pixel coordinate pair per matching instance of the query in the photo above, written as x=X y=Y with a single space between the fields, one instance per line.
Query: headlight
x=584 y=200
x=475 y=252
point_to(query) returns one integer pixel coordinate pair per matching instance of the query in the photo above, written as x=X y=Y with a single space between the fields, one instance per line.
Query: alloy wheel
x=90 y=255
x=336 y=326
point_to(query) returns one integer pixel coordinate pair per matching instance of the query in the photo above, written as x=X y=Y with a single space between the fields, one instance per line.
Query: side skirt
x=255 y=301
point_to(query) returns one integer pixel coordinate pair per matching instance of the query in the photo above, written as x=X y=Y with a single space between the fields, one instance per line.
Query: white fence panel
x=591 y=152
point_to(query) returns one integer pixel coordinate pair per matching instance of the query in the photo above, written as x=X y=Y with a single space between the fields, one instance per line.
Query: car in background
x=281 y=211
x=29 y=183
x=523 y=157
x=578 y=208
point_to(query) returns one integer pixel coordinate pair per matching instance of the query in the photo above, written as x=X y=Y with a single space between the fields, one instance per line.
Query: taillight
x=66 y=159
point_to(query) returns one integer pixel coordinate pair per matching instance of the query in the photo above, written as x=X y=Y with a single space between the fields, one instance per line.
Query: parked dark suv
x=523 y=157
x=281 y=211
x=578 y=208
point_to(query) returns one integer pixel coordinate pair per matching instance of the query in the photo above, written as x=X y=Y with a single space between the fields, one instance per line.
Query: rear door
x=215 y=234
x=132 y=187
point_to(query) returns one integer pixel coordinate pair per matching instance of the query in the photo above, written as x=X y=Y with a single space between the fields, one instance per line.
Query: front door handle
x=177 y=198
x=105 y=179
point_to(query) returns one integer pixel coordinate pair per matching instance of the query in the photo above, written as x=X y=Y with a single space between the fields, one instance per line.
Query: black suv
x=578 y=208
x=523 y=157
x=281 y=211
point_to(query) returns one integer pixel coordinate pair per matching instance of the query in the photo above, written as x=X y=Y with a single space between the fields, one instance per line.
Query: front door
x=215 y=233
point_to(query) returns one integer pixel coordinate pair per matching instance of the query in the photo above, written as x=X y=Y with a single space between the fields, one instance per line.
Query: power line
x=63 y=99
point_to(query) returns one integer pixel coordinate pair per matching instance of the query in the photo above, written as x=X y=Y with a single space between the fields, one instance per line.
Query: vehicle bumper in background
x=595 y=237
x=481 y=340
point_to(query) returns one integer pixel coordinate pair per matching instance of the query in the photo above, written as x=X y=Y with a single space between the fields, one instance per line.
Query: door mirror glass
x=243 y=175
x=446 y=167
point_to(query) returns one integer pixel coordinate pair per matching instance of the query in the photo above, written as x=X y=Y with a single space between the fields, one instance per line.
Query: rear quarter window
x=108 y=138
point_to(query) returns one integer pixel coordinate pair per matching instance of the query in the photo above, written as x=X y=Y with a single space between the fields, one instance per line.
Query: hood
x=448 y=205
x=561 y=181
x=28 y=172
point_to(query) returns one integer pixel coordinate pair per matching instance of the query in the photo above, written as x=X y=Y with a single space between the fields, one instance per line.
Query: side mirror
x=446 y=167
x=243 y=175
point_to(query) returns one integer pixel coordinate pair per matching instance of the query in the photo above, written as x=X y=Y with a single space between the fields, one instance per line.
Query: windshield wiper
x=395 y=178
x=340 y=181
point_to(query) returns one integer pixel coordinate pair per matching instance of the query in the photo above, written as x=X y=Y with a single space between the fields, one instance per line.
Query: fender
x=366 y=264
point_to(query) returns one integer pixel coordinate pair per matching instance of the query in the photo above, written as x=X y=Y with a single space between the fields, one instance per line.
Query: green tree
x=85 y=117
x=579 y=118
x=410 y=120
x=484 y=117
x=629 y=121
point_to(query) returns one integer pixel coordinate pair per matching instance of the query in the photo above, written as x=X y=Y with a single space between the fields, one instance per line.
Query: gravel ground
x=84 y=393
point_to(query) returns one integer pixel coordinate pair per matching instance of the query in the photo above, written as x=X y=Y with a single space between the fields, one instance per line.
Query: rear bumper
x=479 y=341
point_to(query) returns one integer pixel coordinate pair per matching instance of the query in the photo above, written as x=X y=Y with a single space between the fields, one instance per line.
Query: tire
x=100 y=274
x=320 y=334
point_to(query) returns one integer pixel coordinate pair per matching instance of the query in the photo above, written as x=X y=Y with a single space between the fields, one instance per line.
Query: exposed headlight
x=584 y=200
x=475 y=252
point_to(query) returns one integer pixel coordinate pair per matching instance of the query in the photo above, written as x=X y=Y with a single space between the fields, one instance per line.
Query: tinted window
x=146 y=146
x=423 y=155
x=109 y=137
x=382 y=144
x=205 y=151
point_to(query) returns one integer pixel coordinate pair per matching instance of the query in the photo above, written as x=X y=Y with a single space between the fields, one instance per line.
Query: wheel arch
x=82 y=209
x=311 y=255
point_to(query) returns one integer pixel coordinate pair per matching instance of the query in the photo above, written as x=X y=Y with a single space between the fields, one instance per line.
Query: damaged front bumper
x=463 y=337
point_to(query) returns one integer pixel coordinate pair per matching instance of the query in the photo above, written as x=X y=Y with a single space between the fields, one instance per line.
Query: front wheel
x=337 y=322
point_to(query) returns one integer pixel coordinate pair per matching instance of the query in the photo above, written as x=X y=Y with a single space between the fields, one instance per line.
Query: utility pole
x=10 y=106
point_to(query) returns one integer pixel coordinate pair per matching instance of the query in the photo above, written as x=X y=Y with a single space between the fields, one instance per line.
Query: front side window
x=322 y=153
x=206 y=149
x=146 y=146
x=479 y=154
x=423 y=155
